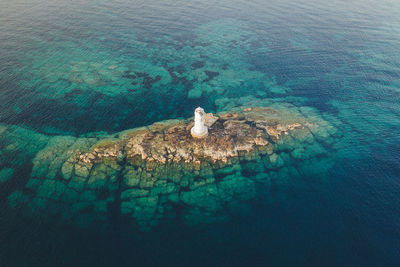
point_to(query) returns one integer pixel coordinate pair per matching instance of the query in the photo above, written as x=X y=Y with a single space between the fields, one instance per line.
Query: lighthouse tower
x=199 y=130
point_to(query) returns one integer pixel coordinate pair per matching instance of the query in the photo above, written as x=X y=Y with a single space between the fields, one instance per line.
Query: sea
x=90 y=69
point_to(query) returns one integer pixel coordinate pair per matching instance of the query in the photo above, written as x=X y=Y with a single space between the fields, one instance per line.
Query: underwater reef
x=160 y=171
x=77 y=82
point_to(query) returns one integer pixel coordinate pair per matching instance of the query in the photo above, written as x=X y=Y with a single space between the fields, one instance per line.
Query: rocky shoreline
x=231 y=135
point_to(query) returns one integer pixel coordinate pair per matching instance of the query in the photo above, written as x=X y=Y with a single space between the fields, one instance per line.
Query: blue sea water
x=75 y=68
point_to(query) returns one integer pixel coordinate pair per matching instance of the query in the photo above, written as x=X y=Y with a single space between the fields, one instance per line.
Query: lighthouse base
x=199 y=135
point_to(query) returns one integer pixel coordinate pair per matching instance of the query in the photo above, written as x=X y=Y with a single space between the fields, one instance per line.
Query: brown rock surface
x=230 y=134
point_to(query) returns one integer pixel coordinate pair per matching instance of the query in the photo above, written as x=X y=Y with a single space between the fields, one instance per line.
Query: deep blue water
x=77 y=67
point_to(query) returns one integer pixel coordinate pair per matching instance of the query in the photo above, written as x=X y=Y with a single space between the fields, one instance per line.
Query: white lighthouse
x=199 y=130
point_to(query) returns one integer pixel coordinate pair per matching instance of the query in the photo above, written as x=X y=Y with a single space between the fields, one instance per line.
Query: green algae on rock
x=145 y=173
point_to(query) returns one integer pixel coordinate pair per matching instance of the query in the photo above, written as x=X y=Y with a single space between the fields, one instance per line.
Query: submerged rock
x=5 y=174
x=145 y=173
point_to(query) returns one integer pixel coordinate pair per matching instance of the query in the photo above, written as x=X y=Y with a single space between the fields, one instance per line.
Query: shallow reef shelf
x=146 y=173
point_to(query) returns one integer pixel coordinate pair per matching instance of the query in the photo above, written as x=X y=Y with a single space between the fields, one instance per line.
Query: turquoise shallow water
x=89 y=69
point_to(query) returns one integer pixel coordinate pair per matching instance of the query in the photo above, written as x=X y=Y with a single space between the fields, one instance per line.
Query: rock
x=33 y=184
x=77 y=183
x=205 y=197
x=83 y=170
x=154 y=169
x=98 y=176
x=67 y=169
x=51 y=189
x=276 y=161
x=299 y=153
x=145 y=210
x=16 y=198
x=231 y=134
x=273 y=132
x=3 y=128
x=132 y=178
x=174 y=197
x=5 y=174
x=259 y=141
x=128 y=207
x=70 y=195
x=48 y=162
x=194 y=93
x=236 y=187
x=209 y=119
x=133 y=193
x=166 y=188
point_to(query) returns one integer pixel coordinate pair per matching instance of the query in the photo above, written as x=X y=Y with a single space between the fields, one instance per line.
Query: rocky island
x=170 y=142
x=145 y=173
